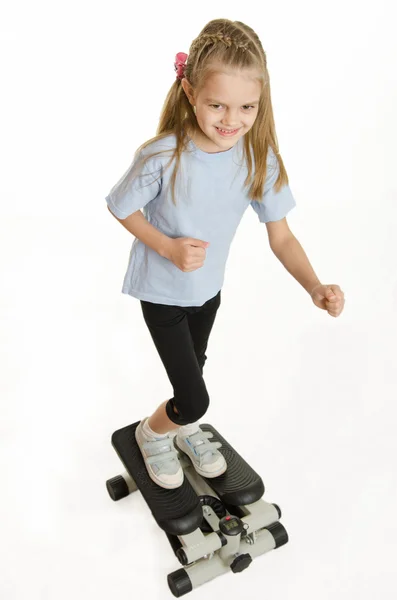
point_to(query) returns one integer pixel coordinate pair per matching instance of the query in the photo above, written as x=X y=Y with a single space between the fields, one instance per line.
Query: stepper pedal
x=239 y=484
x=177 y=511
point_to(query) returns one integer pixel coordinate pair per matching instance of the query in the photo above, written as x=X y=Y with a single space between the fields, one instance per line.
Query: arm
x=291 y=254
x=140 y=227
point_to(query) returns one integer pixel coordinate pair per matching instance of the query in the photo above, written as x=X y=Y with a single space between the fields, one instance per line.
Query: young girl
x=217 y=131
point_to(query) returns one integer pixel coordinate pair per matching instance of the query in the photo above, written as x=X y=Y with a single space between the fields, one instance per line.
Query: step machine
x=214 y=525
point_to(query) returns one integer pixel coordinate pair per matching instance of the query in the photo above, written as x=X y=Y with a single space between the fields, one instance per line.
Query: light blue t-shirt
x=210 y=202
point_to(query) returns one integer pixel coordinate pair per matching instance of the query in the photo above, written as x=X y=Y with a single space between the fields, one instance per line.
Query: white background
x=307 y=399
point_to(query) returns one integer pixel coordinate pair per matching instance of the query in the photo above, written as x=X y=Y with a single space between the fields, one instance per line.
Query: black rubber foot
x=179 y=583
x=181 y=556
x=279 y=533
x=117 y=487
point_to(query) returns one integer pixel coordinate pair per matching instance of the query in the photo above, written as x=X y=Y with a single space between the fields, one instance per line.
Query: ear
x=188 y=90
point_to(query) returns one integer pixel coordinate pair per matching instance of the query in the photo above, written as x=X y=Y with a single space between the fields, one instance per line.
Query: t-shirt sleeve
x=136 y=188
x=275 y=205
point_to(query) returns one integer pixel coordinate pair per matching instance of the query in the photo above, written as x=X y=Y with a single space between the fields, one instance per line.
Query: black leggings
x=180 y=334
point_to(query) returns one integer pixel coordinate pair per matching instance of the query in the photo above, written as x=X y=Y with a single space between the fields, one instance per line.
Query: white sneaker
x=161 y=459
x=205 y=456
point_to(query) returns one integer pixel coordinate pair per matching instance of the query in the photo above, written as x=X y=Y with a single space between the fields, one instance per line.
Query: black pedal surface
x=239 y=484
x=177 y=511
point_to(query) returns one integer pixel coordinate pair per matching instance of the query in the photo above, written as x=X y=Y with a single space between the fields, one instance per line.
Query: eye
x=246 y=106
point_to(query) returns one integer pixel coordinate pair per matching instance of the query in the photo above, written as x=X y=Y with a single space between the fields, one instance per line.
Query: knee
x=193 y=406
x=197 y=405
x=201 y=361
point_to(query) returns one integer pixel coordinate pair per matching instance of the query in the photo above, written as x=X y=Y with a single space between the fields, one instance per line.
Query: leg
x=159 y=420
x=200 y=325
x=170 y=332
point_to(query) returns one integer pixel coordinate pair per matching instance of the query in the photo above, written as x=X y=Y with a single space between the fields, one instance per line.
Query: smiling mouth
x=227 y=130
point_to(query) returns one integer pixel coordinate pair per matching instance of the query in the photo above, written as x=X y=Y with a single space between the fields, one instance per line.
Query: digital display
x=230 y=524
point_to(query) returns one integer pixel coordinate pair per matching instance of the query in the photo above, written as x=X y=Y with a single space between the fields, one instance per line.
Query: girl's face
x=229 y=101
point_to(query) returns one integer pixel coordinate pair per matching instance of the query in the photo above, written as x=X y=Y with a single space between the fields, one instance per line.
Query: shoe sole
x=159 y=482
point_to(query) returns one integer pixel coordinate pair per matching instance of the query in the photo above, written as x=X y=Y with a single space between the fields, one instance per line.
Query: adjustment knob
x=240 y=563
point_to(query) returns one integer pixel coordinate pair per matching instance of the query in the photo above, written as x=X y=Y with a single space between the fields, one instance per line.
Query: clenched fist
x=188 y=254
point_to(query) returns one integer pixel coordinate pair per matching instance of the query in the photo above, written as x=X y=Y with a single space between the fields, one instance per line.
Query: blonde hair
x=233 y=45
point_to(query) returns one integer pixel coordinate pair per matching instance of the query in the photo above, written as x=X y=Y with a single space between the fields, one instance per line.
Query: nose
x=230 y=119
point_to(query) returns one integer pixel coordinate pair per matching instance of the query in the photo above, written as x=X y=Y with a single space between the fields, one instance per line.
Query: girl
x=217 y=128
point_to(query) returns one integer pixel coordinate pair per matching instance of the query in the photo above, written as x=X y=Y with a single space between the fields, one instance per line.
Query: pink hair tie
x=180 y=64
